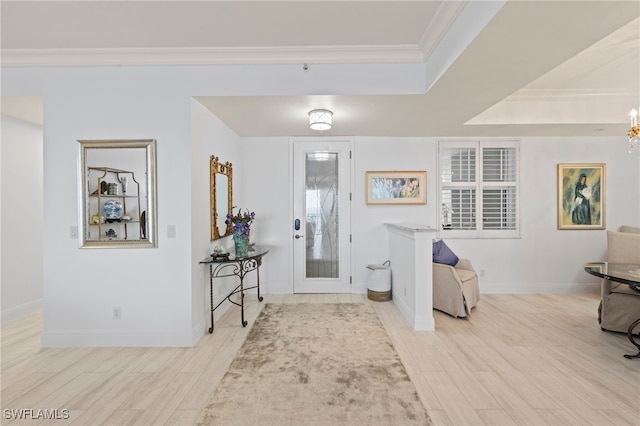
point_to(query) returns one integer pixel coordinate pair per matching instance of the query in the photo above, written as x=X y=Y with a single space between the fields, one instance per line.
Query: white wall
x=267 y=185
x=156 y=289
x=209 y=137
x=370 y=234
x=266 y=190
x=543 y=260
x=21 y=218
x=153 y=287
x=160 y=291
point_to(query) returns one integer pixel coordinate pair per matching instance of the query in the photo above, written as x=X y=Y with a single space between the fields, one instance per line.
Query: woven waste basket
x=379 y=282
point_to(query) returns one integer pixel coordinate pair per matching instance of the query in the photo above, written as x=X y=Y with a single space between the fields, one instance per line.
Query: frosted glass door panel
x=322 y=215
x=321 y=228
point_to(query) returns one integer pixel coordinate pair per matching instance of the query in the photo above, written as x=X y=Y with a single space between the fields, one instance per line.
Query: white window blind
x=479 y=188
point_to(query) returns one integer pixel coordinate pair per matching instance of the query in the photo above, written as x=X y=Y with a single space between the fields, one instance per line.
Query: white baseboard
x=416 y=321
x=20 y=311
x=404 y=309
x=198 y=331
x=539 y=288
x=202 y=328
x=522 y=288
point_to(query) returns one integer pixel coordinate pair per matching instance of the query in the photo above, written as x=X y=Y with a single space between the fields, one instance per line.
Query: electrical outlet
x=117 y=313
x=73 y=232
x=171 y=231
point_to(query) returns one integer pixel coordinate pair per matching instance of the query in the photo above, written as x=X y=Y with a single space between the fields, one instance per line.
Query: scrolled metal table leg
x=260 y=298
x=244 y=322
x=632 y=340
x=211 y=289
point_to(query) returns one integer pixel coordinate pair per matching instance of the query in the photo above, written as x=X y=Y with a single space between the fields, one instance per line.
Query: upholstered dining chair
x=620 y=305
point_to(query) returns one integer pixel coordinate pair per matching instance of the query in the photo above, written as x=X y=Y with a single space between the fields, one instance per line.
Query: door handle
x=297 y=237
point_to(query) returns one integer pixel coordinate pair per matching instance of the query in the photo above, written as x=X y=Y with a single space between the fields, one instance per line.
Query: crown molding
x=557 y=94
x=442 y=21
x=559 y=106
x=210 y=56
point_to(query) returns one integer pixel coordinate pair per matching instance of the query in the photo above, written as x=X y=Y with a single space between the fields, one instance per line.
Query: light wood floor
x=520 y=360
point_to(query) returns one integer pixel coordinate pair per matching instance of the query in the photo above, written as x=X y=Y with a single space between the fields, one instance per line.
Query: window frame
x=479 y=185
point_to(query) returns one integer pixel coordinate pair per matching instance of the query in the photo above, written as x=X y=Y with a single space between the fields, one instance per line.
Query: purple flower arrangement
x=241 y=221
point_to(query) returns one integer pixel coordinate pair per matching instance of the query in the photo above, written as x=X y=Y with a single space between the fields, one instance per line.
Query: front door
x=321 y=228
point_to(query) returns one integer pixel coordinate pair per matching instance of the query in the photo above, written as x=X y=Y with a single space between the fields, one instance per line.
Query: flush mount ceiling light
x=320 y=119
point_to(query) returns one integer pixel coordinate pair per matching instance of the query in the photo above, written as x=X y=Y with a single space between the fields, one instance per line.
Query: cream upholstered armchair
x=620 y=305
x=455 y=282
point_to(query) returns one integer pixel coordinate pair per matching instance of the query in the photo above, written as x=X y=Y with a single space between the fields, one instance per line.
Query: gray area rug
x=316 y=364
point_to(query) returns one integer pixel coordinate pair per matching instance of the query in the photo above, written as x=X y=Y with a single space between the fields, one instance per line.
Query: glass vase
x=241 y=241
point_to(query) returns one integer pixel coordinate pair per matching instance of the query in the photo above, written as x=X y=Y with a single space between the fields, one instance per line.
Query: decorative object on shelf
x=111 y=234
x=219 y=253
x=97 y=219
x=241 y=241
x=112 y=209
x=222 y=256
x=219 y=250
x=125 y=182
x=240 y=230
x=581 y=196
x=320 y=119
x=112 y=189
x=397 y=187
x=634 y=132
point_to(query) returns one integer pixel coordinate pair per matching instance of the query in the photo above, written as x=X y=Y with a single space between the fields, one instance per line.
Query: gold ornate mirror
x=221 y=197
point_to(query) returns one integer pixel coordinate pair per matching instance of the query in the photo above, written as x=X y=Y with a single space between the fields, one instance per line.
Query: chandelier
x=634 y=132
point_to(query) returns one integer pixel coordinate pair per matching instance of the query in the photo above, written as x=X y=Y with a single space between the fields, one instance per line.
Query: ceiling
x=463 y=68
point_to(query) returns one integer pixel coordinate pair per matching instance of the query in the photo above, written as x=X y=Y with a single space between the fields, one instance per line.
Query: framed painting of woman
x=581 y=196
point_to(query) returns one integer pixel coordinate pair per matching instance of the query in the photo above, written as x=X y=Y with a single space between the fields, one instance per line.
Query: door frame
x=292 y=140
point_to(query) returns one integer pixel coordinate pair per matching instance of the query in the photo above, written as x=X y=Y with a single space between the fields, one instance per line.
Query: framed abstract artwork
x=397 y=187
x=581 y=196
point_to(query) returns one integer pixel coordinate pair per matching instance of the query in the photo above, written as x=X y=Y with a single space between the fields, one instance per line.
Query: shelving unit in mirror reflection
x=113 y=205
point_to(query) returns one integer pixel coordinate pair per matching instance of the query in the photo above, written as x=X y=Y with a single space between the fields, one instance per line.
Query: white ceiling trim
x=211 y=56
x=575 y=94
x=552 y=106
x=442 y=20
x=464 y=25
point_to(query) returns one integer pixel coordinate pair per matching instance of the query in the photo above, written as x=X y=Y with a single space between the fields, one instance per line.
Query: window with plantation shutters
x=479 y=189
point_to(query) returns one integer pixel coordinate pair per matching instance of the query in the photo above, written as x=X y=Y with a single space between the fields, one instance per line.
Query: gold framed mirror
x=117 y=183
x=221 y=197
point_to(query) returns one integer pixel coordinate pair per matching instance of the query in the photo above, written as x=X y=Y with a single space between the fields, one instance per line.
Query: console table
x=624 y=273
x=238 y=266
